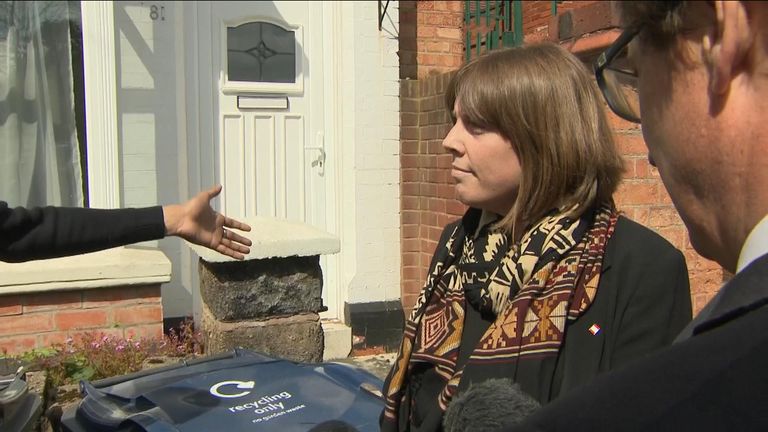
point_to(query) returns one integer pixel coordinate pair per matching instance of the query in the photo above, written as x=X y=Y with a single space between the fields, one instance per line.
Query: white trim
x=336 y=217
x=99 y=68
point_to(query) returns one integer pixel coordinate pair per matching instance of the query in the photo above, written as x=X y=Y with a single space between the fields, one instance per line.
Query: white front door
x=266 y=113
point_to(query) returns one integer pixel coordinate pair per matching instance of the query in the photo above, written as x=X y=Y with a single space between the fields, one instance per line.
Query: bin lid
x=244 y=391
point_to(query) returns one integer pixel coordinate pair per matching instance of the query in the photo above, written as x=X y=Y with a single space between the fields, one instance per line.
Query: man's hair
x=661 y=21
x=542 y=99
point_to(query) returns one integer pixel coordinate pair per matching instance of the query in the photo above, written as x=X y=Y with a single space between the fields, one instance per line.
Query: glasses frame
x=604 y=61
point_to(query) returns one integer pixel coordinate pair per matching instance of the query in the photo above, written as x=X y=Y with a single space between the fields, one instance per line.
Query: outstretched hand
x=197 y=222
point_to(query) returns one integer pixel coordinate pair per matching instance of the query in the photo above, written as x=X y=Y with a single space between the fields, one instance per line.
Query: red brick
x=424 y=5
x=409 y=160
x=411 y=245
x=444 y=161
x=148 y=294
x=80 y=319
x=674 y=235
x=660 y=217
x=619 y=124
x=411 y=259
x=428 y=190
x=634 y=192
x=449 y=33
x=423 y=32
x=138 y=315
x=410 y=231
x=446 y=191
x=410 y=189
x=17 y=344
x=106 y=297
x=411 y=273
x=53 y=338
x=409 y=203
x=409 y=217
x=632 y=144
x=53 y=300
x=26 y=324
x=456 y=208
x=456 y=6
x=10 y=305
x=153 y=331
x=409 y=175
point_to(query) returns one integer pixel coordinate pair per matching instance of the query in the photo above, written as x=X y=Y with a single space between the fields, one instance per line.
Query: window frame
x=100 y=78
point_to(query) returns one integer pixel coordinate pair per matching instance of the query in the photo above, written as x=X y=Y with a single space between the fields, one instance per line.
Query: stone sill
x=278 y=238
x=112 y=267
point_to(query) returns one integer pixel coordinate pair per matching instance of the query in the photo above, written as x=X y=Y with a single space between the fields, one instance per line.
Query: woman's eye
x=475 y=130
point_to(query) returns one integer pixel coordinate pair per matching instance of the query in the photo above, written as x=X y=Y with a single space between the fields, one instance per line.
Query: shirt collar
x=486 y=218
x=755 y=246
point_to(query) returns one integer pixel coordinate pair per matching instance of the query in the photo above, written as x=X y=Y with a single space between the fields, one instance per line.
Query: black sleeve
x=50 y=232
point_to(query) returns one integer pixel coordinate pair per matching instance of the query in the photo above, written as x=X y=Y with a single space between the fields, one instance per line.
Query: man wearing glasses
x=695 y=75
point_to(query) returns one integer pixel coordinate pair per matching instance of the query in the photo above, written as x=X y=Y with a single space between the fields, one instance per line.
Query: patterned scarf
x=533 y=289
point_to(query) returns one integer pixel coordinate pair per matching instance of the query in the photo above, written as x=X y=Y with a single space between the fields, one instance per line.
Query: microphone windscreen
x=488 y=406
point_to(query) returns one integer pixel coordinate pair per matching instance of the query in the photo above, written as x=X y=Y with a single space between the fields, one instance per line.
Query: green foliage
x=96 y=356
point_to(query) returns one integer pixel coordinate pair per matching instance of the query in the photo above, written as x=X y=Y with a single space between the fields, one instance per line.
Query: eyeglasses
x=618 y=82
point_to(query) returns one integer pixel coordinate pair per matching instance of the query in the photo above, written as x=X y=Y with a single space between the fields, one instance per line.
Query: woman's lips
x=458 y=172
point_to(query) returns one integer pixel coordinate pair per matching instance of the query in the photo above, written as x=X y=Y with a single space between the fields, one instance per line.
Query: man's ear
x=725 y=49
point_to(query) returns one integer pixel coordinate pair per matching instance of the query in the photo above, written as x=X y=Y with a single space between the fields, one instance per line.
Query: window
x=262 y=57
x=42 y=135
x=261 y=52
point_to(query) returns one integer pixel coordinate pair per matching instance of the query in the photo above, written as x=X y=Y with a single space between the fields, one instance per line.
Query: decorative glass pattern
x=261 y=52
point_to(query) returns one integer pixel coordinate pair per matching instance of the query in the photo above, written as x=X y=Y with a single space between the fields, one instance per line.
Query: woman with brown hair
x=542 y=281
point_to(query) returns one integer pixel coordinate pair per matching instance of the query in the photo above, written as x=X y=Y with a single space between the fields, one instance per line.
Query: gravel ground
x=377 y=364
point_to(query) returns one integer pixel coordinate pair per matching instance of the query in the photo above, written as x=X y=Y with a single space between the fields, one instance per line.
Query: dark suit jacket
x=717 y=380
x=49 y=232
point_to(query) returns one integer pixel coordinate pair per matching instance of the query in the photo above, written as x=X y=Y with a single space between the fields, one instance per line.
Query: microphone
x=488 y=406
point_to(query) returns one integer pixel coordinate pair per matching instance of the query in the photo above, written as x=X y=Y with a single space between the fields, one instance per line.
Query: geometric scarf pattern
x=533 y=289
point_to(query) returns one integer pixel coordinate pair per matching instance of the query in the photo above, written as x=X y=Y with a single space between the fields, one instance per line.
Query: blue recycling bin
x=239 y=391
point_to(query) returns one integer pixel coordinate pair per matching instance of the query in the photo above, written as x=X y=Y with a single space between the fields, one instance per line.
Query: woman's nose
x=451 y=143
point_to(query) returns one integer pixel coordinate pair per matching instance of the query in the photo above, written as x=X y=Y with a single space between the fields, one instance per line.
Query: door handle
x=319 y=162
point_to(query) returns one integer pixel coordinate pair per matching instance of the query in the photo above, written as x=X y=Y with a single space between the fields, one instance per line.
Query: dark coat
x=643 y=301
x=717 y=380
x=49 y=232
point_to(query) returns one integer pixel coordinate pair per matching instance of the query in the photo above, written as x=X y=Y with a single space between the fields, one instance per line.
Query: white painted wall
x=371 y=142
x=151 y=161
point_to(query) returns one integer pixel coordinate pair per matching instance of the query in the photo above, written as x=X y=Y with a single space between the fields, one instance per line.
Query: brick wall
x=39 y=320
x=431 y=37
x=427 y=194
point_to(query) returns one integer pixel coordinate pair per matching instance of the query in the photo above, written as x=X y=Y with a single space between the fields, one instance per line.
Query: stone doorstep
x=273 y=237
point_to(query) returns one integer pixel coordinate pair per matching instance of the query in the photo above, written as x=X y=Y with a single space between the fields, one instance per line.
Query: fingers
x=233 y=223
x=233 y=245
x=237 y=238
x=229 y=252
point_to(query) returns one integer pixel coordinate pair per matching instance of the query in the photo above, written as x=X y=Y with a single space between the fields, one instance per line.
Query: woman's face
x=485 y=167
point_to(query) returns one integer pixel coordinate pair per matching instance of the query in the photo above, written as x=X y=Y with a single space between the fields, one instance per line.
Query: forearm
x=49 y=232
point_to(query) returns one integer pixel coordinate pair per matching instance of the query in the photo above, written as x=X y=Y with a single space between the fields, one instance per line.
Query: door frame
x=201 y=158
